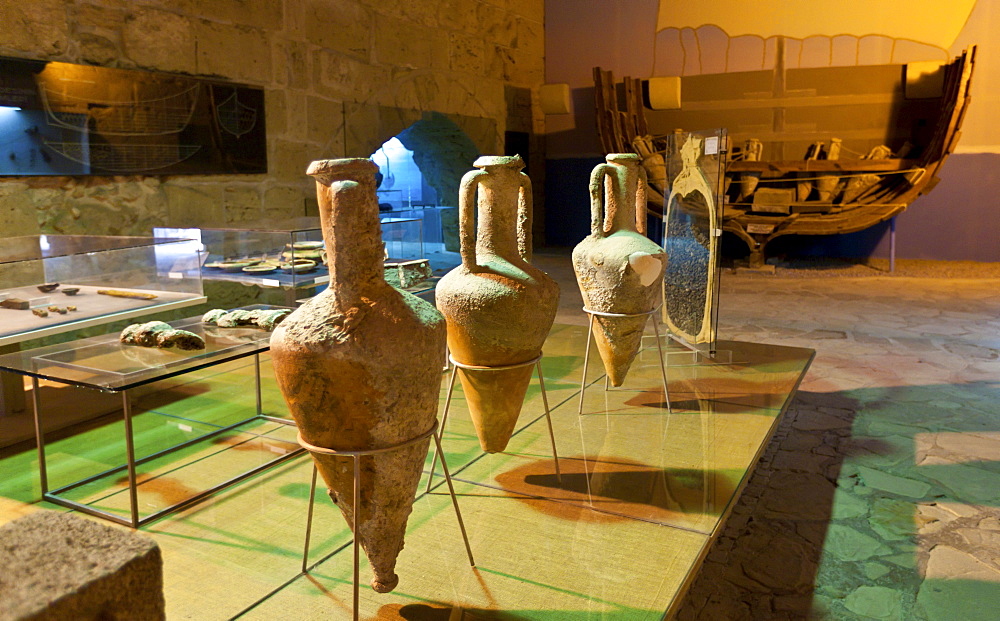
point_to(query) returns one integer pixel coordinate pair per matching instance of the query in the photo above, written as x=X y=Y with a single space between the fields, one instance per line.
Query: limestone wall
x=340 y=76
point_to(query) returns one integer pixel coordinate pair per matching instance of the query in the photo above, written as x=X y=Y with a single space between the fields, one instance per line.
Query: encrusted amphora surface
x=618 y=268
x=360 y=368
x=499 y=308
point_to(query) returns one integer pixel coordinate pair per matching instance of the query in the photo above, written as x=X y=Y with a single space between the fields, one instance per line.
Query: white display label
x=186 y=428
x=175 y=275
x=277 y=449
x=322 y=279
x=268 y=282
x=711 y=145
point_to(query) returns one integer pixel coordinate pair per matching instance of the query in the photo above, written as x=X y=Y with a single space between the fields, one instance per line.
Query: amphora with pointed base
x=618 y=268
x=360 y=367
x=498 y=306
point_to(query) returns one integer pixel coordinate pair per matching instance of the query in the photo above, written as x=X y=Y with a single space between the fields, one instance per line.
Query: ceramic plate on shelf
x=263 y=268
x=299 y=267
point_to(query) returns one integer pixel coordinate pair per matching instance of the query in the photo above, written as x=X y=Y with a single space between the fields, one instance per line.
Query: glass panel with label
x=695 y=163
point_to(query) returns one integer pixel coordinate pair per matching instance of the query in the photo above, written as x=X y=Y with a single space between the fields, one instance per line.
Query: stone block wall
x=340 y=77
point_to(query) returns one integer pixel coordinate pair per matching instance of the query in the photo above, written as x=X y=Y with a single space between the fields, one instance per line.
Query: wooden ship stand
x=899 y=143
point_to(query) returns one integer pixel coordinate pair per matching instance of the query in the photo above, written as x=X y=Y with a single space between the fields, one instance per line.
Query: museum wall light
x=664 y=93
x=555 y=99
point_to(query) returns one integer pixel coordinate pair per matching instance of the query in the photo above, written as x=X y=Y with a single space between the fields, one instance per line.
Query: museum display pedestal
x=644 y=493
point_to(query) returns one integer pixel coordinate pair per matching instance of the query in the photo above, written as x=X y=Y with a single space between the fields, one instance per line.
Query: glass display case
x=56 y=283
x=403 y=237
x=695 y=163
x=289 y=254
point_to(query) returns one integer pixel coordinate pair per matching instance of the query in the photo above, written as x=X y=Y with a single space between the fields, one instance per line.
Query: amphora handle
x=602 y=216
x=467 y=207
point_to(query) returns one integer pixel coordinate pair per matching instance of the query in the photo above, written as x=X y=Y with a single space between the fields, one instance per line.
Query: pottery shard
x=161 y=335
x=260 y=318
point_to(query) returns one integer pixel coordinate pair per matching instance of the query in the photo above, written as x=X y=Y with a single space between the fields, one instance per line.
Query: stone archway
x=443 y=153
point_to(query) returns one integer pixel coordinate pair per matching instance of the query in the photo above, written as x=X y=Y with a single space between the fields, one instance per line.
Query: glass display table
x=103 y=363
x=102 y=278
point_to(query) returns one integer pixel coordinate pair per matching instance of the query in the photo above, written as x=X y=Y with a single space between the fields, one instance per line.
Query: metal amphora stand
x=590 y=337
x=537 y=362
x=357 y=455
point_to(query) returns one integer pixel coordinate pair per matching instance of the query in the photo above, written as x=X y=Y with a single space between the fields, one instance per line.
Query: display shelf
x=164 y=270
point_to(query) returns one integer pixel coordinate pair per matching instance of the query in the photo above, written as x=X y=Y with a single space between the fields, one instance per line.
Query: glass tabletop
x=104 y=363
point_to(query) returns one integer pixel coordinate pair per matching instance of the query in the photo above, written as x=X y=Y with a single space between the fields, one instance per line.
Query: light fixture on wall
x=554 y=99
x=663 y=93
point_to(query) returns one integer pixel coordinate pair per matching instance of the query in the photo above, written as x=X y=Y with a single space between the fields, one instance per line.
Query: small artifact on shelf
x=48 y=287
x=161 y=335
x=299 y=266
x=40 y=312
x=237 y=266
x=265 y=319
x=306 y=250
x=70 y=290
x=405 y=274
x=115 y=293
x=71 y=308
x=57 y=309
x=261 y=268
x=15 y=303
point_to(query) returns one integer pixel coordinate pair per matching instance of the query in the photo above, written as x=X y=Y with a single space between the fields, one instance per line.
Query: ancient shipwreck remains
x=790 y=182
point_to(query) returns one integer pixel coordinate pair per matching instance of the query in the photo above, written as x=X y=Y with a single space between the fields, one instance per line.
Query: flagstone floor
x=879 y=497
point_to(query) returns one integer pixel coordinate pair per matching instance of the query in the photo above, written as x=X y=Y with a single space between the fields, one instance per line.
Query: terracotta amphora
x=498 y=306
x=618 y=268
x=360 y=367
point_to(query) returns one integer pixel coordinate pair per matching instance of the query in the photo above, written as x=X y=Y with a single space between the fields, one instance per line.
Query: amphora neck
x=349 y=217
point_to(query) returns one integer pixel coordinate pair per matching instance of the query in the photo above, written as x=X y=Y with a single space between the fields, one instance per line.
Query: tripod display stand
x=590 y=337
x=537 y=362
x=356 y=457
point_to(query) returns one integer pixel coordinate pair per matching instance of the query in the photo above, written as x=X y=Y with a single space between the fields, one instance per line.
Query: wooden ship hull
x=790 y=133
